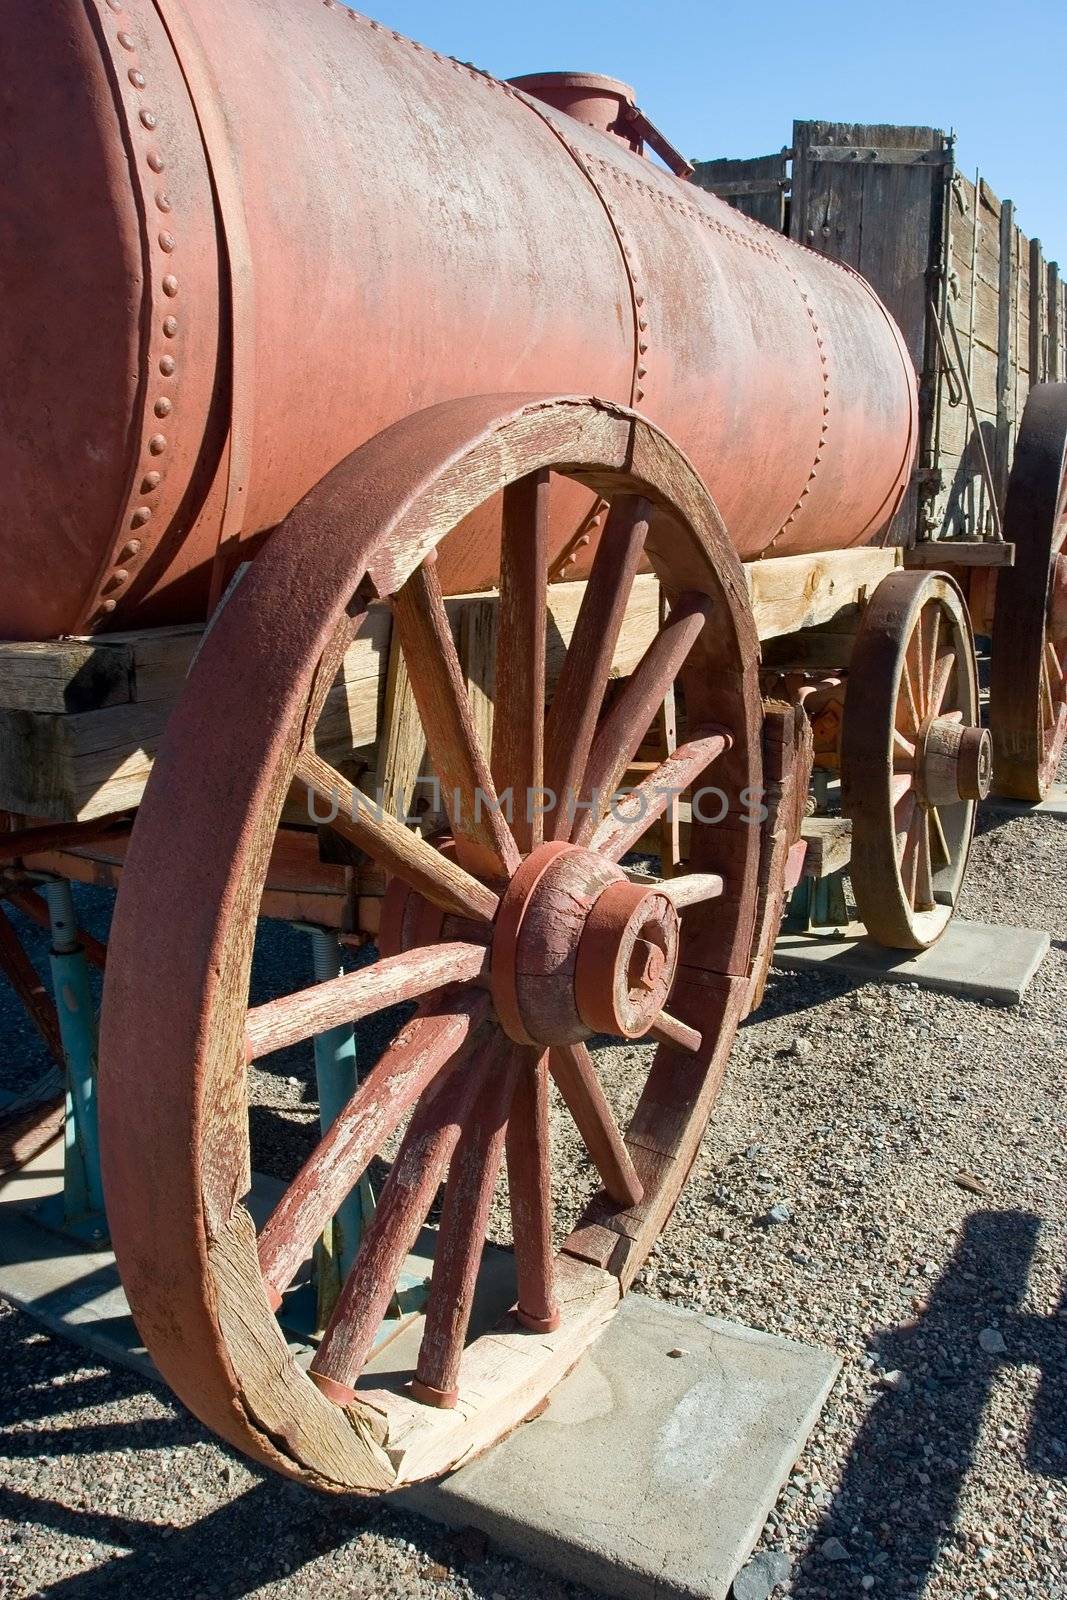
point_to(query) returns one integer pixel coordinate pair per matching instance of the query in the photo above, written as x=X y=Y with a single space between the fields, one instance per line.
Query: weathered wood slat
x=94 y=761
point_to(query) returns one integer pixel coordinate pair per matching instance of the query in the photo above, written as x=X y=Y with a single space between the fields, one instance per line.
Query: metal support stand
x=80 y=1209
x=818 y=904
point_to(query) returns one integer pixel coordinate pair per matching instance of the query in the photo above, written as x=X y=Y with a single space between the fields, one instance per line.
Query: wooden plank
x=829 y=842
x=942 y=553
x=402 y=744
x=1054 y=294
x=756 y=186
x=70 y=675
x=789 y=593
x=1005 y=349
x=1038 y=314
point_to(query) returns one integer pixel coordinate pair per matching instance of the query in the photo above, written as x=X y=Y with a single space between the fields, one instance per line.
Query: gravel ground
x=884 y=1175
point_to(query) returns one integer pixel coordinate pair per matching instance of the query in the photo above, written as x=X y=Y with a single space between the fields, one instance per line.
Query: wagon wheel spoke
x=530 y=1194
x=576 y=1079
x=943 y=670
x=620 y=732
x=428 y=1047
x=692 y=889
x=903 y=812
x=400 y=1212
x=395 y=847
x=924 y=887
x=634 y=815
x=911 y=679
x=355 y=995
x=472 y=1176
x=930 y=633
x=938 y=843
x=519 y=713
x=484 y=843
x=1048 y=707
x=903 y=752
x=900 y=784
x=909 y=859
x=669 y=1030
x=580 y=688
x=1055 y=665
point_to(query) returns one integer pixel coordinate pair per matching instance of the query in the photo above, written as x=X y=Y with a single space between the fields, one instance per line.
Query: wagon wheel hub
x=953 y=762
x=578 y=949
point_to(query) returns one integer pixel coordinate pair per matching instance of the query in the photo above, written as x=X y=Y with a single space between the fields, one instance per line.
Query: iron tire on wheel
x=1028 y=679
x=914 y=761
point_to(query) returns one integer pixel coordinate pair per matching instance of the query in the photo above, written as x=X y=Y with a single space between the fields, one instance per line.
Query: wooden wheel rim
x=1028 y=686
x=878 y=707
x=175 y=1138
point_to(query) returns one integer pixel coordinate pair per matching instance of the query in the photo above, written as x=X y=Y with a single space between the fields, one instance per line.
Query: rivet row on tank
x=150 y=481
x=166 y=242
x=163 y=407
x=155 y=161
x=130 y=548
x=157 y=444
x=142 y=515
x=170 y=326
x=148 y=120
x=137 y=78
x=170 y=285
x=162 y=199
x=127 y=41
x=167 y=365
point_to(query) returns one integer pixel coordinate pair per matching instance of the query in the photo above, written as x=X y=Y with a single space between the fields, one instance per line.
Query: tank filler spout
x=606 y=104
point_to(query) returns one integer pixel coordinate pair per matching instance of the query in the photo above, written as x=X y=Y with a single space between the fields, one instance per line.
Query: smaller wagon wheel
x=519 y=939
x=913 y=759
x=1028 y=680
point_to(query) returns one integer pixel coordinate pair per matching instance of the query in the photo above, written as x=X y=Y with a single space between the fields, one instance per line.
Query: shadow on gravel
x=898 y=1500
x=270 y=1531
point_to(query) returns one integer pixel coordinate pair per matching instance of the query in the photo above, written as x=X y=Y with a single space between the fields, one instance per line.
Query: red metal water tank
x=243 y=236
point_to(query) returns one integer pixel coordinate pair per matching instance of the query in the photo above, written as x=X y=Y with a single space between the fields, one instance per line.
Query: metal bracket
x=879 y=156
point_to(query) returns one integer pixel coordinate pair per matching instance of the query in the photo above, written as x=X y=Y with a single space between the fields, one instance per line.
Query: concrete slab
x=648 y=1475
x=977 y=960
x=1053 y=805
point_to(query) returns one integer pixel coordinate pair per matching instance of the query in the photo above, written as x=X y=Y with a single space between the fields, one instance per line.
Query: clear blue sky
x=728 y=79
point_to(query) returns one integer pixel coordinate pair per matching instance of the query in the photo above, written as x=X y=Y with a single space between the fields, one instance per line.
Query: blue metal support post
x=83 y=1193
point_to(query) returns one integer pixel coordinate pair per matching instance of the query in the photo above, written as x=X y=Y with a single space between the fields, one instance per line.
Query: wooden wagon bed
x=983 y=313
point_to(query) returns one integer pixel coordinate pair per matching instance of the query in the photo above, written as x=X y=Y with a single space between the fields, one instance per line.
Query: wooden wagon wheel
x=515 y=946
x=1028 y=678
x=913 y=759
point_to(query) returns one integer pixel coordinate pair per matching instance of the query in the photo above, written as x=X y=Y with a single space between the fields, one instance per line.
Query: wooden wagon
x=453 y=555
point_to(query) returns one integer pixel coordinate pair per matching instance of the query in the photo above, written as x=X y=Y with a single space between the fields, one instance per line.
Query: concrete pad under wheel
x=648 y=1475
x=1053 y=805
x=976 y=960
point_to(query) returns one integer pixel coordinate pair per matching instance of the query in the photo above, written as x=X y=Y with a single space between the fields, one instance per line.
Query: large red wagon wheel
x=518 y=941
x=1028 y=677
x=913 y=759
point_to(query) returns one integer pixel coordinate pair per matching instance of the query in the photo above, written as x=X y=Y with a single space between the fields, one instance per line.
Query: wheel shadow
x=900 y=1494
x=269 y=1532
